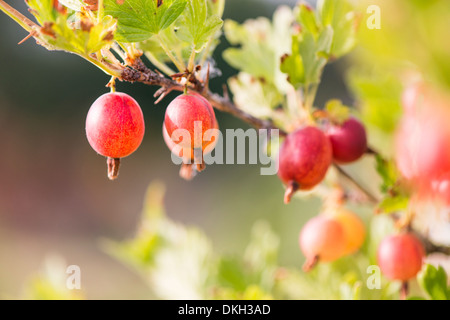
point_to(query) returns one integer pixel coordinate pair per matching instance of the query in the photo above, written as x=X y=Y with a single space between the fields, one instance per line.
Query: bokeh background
x=54 y=193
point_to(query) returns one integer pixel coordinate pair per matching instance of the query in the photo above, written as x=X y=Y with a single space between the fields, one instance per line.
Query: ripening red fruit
x=304 y=159
x=186 y=112
x=354 y=229
x=421 y=141
x=348 y=141
x=321 y=239
x=413 y=97
x=400 y=256
x=115 y=128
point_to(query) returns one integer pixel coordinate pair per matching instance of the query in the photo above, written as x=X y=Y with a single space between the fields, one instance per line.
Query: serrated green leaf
x=255 y=96
x=197 y=26
x=292 y=65
x=261 y=44
x=305 y=64
x=434 y=282
x=43 y=11
x=339 y=15
x=307 y=19
x=60 y=35
x=138 y=20
x=254 y=56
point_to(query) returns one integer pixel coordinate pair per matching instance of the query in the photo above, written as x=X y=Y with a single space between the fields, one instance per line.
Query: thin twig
x=141 y=73
x=370 y=197
x=23 y=21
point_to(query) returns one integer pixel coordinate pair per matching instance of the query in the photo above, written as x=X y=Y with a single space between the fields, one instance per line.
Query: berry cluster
x=308 y=152
x=421 y=148
x=115 y=129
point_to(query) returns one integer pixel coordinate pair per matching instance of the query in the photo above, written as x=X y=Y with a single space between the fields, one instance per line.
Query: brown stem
x=22 y=20
x=431 y=247
x=291 y=188
x=140 y=73
x=187 y=171
x=371 y=151
x=370 y=197
x=310 y=263
x=113 y=167
x=404 y=290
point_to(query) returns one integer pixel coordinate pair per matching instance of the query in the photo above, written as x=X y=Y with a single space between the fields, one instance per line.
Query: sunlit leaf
x=138 y=20
x=434 y=282
x=84 y=38
x=197 y=26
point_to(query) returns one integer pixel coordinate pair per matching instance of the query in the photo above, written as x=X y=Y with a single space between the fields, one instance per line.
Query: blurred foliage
x=59 y=32
x=179 y=262
x=50 y=284
x=279 y=60
x=260 y=85
x=434 y=282
x=410 y=43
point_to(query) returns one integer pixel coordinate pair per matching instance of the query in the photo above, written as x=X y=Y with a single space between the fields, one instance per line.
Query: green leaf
x=339 y=16
x=434 y=282
x=43 y=11
x=197 y=26
x=292 y=65
x=305 y=64
x=388 y=173
x=138 y=20
x=255 y=96
x=378 y=94
x=60 y=35
x=312 y=64
x=254 y=56
x=393 y=204
x=307 y=19
x=324 y=42
x=261 y=44
x=231 y=274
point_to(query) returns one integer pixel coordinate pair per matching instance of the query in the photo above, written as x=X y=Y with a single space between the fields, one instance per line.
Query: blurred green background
x=54 y=193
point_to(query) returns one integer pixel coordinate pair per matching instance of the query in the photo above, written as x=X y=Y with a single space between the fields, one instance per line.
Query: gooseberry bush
x=395 y=127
